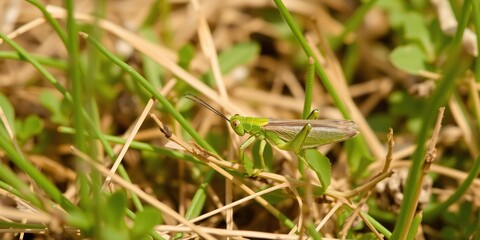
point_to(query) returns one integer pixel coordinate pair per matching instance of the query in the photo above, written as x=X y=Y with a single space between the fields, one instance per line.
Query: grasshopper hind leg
x=296 y=143
x=261 y=150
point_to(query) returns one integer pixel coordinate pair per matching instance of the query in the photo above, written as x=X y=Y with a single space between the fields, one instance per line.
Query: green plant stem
x=437 y=99
x=56 y=26
x=41 y=59
x=37 y=65
x=312 y=231
x=383 y=230
x=318 y=68
x=308 y=88
x=74 y=75
x=412 y=231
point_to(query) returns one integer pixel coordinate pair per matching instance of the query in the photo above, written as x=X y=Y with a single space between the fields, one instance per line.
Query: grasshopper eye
x=236 y=123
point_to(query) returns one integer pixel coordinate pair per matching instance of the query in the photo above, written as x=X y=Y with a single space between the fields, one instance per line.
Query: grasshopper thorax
x=236 y=124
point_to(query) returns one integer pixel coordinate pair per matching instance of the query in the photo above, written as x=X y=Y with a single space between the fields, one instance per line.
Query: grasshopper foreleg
x=247 y=162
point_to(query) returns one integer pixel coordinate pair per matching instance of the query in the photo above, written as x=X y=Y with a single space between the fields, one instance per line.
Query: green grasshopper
x=290 y=135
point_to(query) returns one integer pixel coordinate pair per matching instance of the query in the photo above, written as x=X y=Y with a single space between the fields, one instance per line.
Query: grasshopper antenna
x=206 y=105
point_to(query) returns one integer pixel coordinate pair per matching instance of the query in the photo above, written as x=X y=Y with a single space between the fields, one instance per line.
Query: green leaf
x=111 y=233
x=144 y=223
x=409 y=58
x=380 y=122
x=28 y=128
x=200 y=196
x=52 y=103
x=113 y=213
x=237 y=55
x=391 y=5
x=357 y=161
x=403 y=104
x=80 y=220
x=115 y=210
x=153 y=71
x=185 y=55
x=415 y=30
x=321 y=165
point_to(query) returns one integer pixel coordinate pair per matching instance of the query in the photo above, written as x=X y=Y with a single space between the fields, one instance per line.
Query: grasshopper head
x=237 y=126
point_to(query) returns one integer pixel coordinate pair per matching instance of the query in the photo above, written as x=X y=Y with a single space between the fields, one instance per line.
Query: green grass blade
x=437 y=99
x=53 y=22
x=50 y=62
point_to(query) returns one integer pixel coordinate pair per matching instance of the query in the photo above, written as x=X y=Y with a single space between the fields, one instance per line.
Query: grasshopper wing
x=323 y=131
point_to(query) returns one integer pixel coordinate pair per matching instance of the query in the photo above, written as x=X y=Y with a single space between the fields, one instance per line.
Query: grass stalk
x=437 y=99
